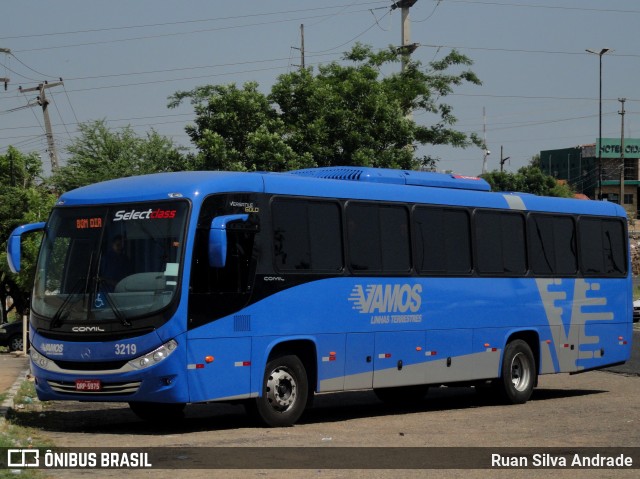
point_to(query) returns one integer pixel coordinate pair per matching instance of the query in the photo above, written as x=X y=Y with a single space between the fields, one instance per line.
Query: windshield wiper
x=56 y=321
x=116 y=311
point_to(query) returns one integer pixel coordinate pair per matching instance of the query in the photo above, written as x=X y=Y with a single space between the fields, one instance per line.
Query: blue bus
x=267 y=288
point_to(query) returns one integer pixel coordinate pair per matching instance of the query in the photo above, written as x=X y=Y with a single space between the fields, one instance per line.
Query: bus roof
x=350 y=183
x=396 y=177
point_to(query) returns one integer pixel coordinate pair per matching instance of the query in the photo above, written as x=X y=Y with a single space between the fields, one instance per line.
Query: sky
x=120 y=60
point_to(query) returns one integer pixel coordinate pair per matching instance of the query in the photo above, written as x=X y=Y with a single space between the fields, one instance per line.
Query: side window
x=443 y=240
x=378 y=238
x=602 y=247
x=307 y=235
x=217 y=292
x=552 y=245
x=237 y=274
x=500 y=242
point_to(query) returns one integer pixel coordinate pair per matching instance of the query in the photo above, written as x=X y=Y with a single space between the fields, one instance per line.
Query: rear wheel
x=518 y=372
x=285 y=390
x=157 y=412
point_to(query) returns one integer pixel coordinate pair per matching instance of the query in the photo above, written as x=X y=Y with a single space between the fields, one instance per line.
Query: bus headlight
x=38 y=359
x=155 y=356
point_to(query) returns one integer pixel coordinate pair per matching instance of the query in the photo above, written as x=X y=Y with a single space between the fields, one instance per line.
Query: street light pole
x=600 y=54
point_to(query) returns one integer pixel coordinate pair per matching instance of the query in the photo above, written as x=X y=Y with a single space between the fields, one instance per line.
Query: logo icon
x=386 y=298
x=23 y=458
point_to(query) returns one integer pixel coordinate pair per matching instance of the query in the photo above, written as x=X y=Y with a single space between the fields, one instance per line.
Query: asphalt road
x=11 y=367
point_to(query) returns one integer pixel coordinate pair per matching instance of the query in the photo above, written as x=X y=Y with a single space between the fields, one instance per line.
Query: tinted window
x=500 y=243
x=442 y=238
x=552 y=244
x=307 y=235
x=378 y=238
x=602 y=247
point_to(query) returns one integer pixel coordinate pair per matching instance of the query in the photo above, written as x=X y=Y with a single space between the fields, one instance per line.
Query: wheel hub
x=519 y=372
x=281 y=389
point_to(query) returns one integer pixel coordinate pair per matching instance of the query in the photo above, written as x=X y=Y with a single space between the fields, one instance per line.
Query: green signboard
x=610 y=147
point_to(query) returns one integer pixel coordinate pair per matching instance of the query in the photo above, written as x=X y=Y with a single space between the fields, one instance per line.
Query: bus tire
x=402 y=394
x=518 y=372
x=154 y=411
x=285 y=390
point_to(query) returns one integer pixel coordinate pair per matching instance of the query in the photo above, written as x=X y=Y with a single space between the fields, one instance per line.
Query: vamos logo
x=52 y=349
x=388 y=303
x=149 y=214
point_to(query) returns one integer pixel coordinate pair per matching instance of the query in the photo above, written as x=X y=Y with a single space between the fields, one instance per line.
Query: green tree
x=535 y=160
x=528 y=179
x=237 y=130
x=24 y=198
x=99 y=154
x=345 y=114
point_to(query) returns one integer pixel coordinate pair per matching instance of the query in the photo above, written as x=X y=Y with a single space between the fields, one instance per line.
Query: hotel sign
x=610 y=147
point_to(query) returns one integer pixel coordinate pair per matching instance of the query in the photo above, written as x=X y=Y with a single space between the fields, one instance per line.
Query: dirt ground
x=595 y=409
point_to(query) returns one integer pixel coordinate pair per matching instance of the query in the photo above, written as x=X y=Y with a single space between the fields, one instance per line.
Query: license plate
x=88 y=385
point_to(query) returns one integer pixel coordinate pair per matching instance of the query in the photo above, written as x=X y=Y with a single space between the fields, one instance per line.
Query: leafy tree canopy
x=23 y=199
x=528 y=179
x=99 y=154
x=345 y=114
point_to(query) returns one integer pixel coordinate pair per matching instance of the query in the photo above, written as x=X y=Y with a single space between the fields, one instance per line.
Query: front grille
x=64 y=387
x=90 y=366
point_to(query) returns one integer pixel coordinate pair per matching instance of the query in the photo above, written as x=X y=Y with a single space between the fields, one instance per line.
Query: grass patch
x=15 y=436
x=26 y=393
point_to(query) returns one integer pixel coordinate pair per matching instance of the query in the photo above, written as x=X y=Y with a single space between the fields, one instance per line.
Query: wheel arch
x=532 y=338
x=304 y=348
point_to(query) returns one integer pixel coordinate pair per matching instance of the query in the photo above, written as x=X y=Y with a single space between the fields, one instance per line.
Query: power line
x=520 y=50
x=185 y=69
x=173 y=34
x=356 y=37
x=438 y=2
x=550 y=7
x=183 y=22
x=70 y=104
x=534 y=97
x=27 y=66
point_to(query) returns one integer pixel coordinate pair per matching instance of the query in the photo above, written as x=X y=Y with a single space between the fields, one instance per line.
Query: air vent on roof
x=398 y=177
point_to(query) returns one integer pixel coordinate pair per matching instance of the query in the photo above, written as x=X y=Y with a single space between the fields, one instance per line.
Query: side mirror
x=14 y=246
x=218 y=239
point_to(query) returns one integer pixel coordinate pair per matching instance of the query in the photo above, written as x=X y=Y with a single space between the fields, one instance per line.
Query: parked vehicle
x=267 y=288
x=11 y=335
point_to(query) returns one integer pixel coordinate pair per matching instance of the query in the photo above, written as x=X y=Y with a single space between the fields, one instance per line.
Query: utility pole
x=301 y=47
x=621 y=113
x=600 y=53
x=486 y=151
x=44 y=103
x=5 y=80
x=406 y=47
x=502 y=160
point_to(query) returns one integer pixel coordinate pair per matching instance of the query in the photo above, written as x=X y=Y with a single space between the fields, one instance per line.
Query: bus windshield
x=110 y=263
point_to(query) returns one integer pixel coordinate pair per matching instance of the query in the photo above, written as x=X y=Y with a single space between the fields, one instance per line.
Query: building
x=579 y=167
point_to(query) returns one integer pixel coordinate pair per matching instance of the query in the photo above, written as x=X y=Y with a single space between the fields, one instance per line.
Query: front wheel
x=518 y=372
x=285 y=390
